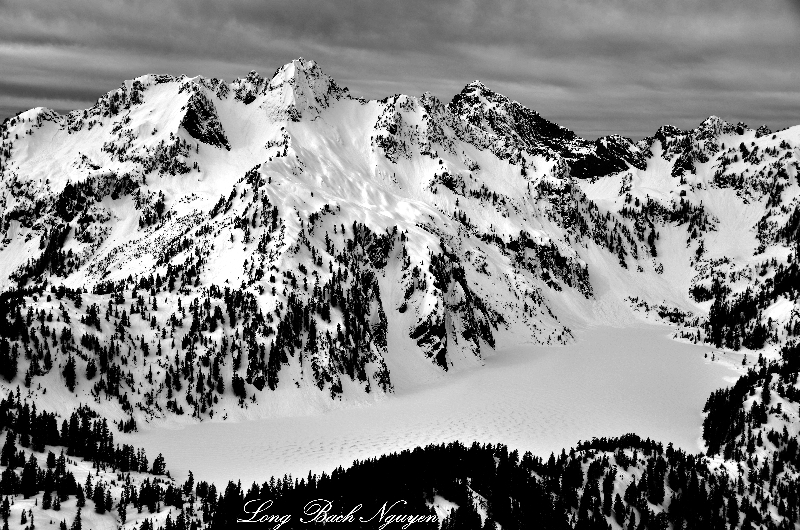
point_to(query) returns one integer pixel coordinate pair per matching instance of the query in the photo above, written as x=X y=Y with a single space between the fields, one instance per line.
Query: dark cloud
x=47 y=92
x=595 y=66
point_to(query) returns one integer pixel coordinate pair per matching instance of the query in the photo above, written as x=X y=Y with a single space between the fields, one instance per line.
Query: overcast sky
x=595 y=66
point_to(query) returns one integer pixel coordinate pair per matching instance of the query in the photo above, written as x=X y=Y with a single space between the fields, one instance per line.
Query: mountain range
x=189 y=247
x=274 y=233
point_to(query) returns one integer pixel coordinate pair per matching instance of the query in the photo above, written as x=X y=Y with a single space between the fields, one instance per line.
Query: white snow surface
x=540 y=399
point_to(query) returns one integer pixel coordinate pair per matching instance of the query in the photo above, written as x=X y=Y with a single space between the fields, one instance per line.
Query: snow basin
x=610 y=382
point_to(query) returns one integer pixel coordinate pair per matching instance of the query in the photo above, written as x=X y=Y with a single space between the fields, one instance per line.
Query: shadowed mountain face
x=207 y=243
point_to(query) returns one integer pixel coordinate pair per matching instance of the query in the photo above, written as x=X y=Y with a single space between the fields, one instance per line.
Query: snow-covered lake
x=612 y=381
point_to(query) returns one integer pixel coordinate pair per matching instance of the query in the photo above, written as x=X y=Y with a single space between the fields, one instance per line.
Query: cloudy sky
x=595 y=66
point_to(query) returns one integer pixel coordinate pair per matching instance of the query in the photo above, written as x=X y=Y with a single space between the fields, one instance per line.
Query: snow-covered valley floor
x=610 y=382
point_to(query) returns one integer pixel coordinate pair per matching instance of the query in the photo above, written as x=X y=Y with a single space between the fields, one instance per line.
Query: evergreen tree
x=9 y=450
x=69 y=373
x=91 y=369
x=122 y=509
x=99 y=498
x=619 y=510
x=8 y=361
x=159 y=466
x=29 y=478
x=76 y=523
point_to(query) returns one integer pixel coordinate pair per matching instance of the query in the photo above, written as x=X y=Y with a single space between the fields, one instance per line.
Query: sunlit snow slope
x=190 y=246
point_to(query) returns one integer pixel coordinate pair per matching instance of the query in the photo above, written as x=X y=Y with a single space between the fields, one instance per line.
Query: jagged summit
x=487 y=109
x=476 y=86
x=299 y=72
x=716 y=124
x=303 y=89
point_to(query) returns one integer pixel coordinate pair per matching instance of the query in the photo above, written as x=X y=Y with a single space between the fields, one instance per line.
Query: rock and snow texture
x=187 y=245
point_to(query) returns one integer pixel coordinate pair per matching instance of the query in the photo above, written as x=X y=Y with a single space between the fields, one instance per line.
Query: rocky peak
x=715 y=126
x=301 y=88
x=485 y=108
x=248 y=88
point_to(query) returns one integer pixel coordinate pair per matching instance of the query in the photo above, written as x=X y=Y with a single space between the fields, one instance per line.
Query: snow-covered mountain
x=188 y=245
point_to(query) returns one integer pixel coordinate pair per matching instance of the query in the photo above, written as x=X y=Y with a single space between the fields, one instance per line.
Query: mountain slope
x=270 y=244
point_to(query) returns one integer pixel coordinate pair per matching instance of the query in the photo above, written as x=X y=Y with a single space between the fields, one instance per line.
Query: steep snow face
x=222 y=246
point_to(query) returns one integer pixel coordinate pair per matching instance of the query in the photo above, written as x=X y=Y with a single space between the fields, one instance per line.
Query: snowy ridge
x=204 y=243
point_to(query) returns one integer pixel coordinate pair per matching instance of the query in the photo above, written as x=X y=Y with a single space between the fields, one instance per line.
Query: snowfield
x=610 y=382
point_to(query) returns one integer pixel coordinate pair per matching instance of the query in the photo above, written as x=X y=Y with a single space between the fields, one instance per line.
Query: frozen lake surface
x=610 y=382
